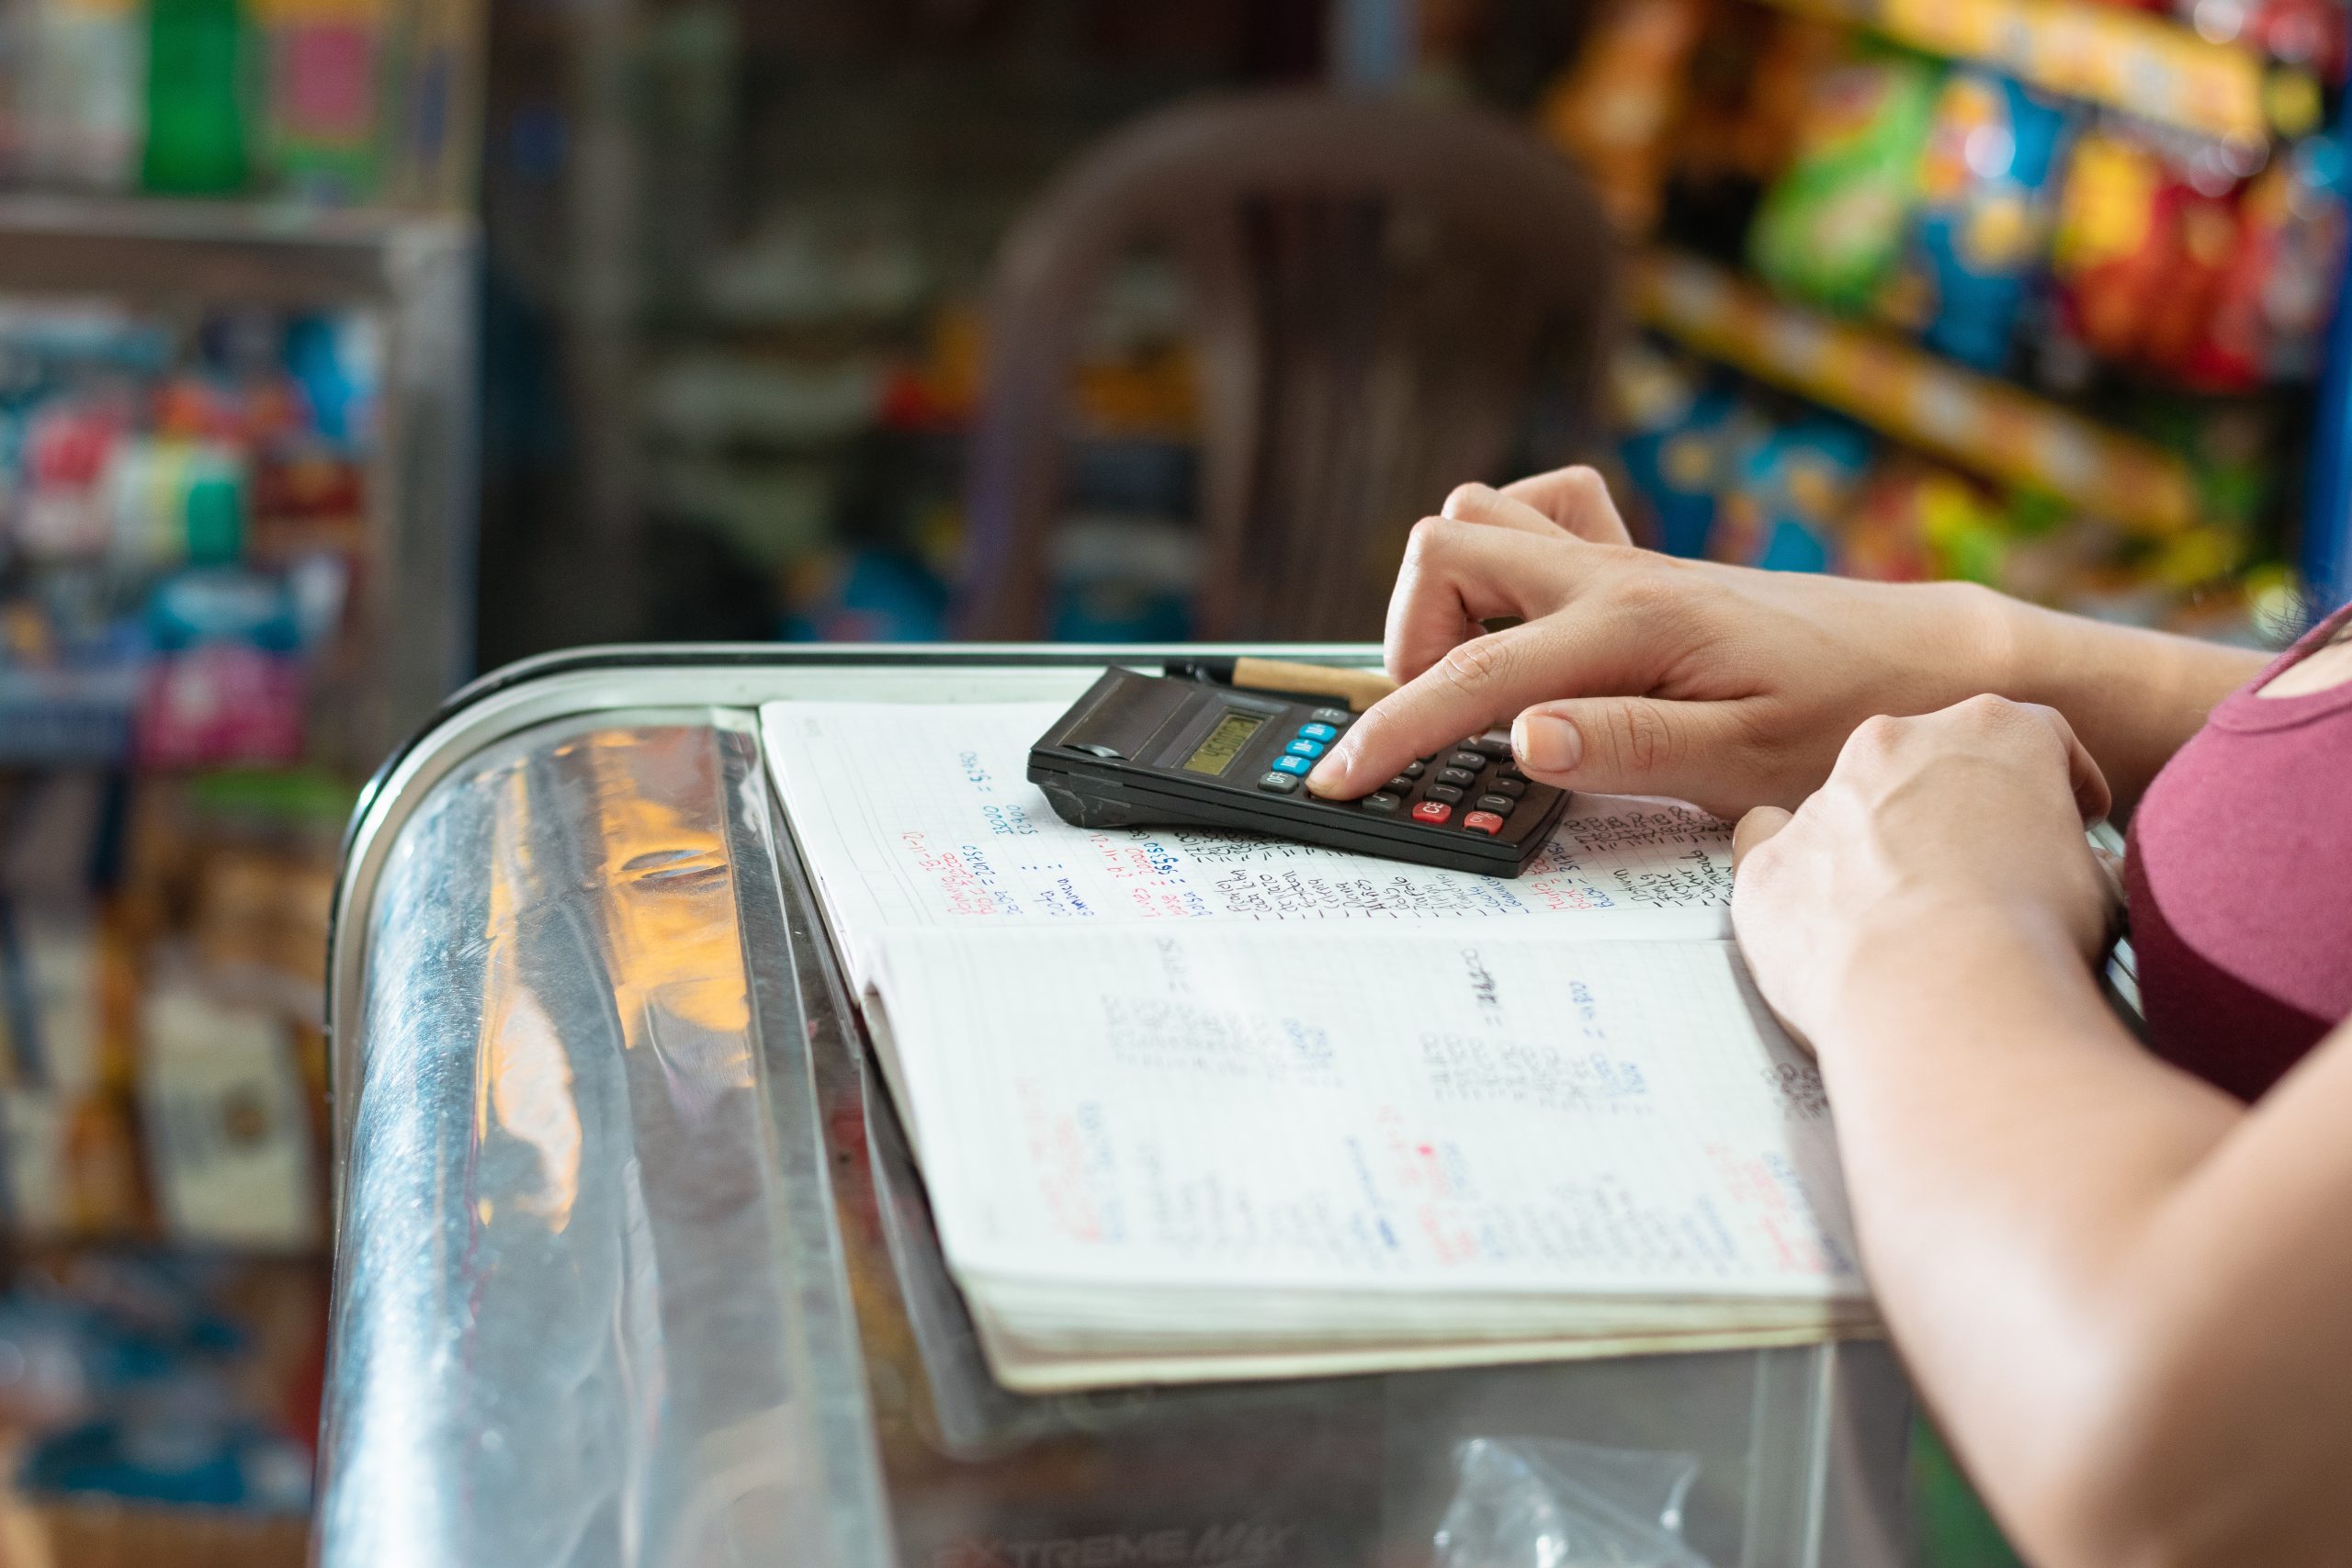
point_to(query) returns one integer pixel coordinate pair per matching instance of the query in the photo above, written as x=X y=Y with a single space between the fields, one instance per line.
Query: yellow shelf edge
x=2125 y=59
x=1973 y=420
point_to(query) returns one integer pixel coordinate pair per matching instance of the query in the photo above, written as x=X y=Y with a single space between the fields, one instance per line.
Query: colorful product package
x=1793 y=488
x=1831 y=229
x=227 y=684
x=1985 y=194
x=1685 y=441
x=2138 y=254
x=1915 y=521
x=85 y=61
x=2313 y=34
x=321 y=131
x=2277 y=292
x=1612 y=110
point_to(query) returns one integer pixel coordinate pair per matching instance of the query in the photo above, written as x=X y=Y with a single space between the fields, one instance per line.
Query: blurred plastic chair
x=1379 y=292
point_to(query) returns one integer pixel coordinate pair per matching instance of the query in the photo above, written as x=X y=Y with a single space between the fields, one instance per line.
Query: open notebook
x=1194 y=1105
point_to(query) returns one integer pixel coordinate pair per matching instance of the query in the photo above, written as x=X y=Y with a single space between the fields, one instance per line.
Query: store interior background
x=349 y=348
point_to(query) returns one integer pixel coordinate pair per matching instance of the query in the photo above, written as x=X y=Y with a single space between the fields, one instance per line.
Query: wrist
x=1993 y=635
x=1947 y=960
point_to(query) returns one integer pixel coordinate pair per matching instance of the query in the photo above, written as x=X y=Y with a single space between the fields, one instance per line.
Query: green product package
x=1831 y=228
x=196 y=81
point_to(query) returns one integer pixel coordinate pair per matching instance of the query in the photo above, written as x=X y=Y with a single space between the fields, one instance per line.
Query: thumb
x=1638 y=746
x=1754 y=829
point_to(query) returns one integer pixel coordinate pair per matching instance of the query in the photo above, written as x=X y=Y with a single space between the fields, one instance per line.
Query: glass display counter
x=632 y=1265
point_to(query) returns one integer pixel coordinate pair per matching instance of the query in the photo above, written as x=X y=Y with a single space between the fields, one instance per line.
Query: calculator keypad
x=1473 y=786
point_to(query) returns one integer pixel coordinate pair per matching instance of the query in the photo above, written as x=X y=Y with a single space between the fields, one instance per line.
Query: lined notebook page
x=1372 y=1108
x=921 y=814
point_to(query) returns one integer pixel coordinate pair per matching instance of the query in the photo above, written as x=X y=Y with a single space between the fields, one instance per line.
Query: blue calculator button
x=1310 y=750
x=1318 y=732
x=1289 y=764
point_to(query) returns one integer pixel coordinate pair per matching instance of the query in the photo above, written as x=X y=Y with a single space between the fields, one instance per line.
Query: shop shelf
x=2123 y=59
x=1985 y=426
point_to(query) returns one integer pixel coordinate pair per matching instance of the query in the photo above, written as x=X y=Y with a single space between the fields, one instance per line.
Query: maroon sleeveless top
x=2239 y=882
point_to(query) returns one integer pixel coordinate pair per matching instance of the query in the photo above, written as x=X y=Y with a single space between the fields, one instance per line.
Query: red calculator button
x=1483 y=822
x=1432 y=811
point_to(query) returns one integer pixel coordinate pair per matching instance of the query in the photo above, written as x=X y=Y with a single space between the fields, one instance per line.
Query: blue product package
x=1682 y=463
x=871 y=596
x=217 y=604
x=1985 y=186
x=1792 y=490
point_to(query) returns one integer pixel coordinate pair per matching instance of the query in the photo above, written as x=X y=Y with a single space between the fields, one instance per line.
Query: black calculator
x=1140 y=749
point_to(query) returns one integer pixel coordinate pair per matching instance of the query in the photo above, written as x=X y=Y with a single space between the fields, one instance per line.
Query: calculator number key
x=1461 y=778
x=1497 y=804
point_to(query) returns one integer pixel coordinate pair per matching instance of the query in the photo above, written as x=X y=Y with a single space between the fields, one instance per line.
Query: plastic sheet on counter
x=1551 y=1503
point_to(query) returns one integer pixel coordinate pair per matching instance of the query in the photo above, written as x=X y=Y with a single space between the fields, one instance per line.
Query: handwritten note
x=922 y=813
x=1500 y=1111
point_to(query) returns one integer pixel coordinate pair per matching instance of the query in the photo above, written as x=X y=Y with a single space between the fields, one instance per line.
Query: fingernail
x=1545 y=744
x=1329 y=775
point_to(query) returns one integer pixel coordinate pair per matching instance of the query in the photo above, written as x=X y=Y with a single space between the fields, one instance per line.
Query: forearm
x=2134 y=696
x=2009 y=1147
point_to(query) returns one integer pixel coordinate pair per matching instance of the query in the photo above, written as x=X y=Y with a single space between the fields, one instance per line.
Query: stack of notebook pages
x=1194 y=1105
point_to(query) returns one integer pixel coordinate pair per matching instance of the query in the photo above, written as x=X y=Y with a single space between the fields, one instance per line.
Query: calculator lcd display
x=1233 y=731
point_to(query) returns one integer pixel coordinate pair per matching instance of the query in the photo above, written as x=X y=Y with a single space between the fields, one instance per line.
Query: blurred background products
x=2082 y=257
x=237 y=383
x=338 y=101
x=697 y=308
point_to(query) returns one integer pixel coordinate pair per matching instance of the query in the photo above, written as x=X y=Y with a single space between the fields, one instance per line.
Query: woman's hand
x=1928 y=829
x=1639 y=673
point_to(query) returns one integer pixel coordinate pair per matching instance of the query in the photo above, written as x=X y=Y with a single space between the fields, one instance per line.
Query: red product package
x=2139 y=255
x=2280 y=290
